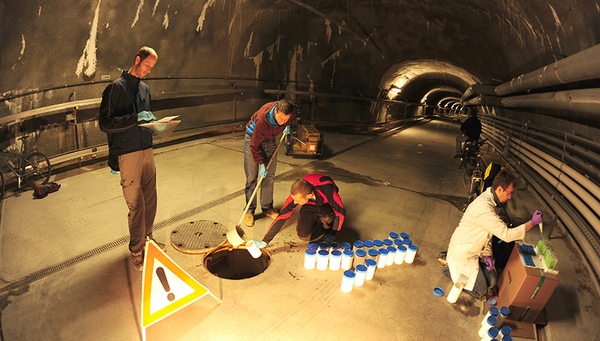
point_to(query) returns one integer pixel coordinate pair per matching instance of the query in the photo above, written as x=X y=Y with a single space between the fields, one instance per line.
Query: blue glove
x=262 y=171
x=536 y=218
x=146 y=116
x=114 y=172
x=287 y=130
x=490 y=262
x=329 y=238
x=260 y=244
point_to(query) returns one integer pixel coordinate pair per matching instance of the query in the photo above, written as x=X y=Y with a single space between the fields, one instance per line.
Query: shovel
x=236 y=236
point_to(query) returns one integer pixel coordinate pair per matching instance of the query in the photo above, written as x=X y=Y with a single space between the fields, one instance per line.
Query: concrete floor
x=406 y=181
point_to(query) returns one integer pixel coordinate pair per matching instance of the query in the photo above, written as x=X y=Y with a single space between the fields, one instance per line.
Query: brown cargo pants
x=138 y=180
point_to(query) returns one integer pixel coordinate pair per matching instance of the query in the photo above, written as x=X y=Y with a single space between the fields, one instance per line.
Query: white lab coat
x=472 y=238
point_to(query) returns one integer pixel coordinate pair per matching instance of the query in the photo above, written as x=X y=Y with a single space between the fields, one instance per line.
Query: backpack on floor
x=40 y=192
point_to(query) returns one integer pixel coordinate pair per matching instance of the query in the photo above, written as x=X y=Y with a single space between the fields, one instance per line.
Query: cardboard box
x=524 y=289
x=309 y=137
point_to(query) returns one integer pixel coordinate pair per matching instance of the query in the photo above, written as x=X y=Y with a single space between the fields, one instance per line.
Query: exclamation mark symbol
x=160 y=272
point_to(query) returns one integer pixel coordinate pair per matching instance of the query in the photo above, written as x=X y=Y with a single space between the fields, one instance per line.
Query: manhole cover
x=236 y=263
x=198 y=236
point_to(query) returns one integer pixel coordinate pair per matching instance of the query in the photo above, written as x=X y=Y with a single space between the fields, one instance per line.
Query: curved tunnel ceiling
x=426 y=81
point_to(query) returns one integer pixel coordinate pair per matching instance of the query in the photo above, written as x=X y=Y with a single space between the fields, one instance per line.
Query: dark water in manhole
x=236 y=263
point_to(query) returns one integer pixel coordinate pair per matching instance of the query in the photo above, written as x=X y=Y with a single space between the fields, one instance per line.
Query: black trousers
x=309 y=226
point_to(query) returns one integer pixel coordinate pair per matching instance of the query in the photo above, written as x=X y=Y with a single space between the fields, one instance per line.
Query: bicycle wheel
x=467 y=180
x=36 y=170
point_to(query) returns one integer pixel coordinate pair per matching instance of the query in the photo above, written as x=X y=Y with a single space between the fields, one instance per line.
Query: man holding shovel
x=259 y=147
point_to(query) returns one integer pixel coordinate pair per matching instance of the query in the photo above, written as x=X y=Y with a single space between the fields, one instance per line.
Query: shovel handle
x=260 y=180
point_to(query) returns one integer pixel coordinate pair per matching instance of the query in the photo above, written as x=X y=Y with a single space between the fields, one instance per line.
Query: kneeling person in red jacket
x=321 y=214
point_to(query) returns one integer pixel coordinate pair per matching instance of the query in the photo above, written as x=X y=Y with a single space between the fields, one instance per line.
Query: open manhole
x=236 y=262
x=198 y=236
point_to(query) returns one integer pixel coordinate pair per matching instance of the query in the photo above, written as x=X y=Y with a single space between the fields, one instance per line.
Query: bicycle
x=473 y=164
x=33 y=169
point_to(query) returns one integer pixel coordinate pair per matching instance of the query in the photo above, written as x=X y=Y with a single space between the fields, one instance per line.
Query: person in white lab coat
x=470 y=251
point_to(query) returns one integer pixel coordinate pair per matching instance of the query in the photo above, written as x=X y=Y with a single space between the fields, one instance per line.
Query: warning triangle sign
x=166 y=287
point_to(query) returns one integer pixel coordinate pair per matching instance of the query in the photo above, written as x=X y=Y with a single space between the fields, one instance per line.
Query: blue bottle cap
x=313 y=246
x=388 y=242
x=407 y=241
x=378 y=242
x=492 y=301
x=505 y=311
x=361 y=253
x=394 y=235
x=494 y=311
x=401 y=248
x=310 y=252
x=507 y=338
x=345 y=245
x=371 y=262
x=492 y=332
x=323 y=253
x=412 y=247
x=336 y=253
x=506 y=330
x=358 y=243
x=492 y=320
x=361 y=268
x=373 y=252
x=335 y=245
x=438 y=291
x=398 y=242
x=403 y=235
x=324 y=246
x=383 y=252
x=349 y=274
x=391 y=249
x=350 y=253
x=368 y=243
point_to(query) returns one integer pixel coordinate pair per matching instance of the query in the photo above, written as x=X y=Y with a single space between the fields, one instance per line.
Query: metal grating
x=198 y=236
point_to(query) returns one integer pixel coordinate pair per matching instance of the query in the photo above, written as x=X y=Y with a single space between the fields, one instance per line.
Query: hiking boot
x=272 y=213
x=160 y=245
x=137 y=261
x=249 y=220
x=442 y=258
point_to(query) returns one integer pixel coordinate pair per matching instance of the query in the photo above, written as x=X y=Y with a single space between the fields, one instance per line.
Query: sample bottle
x=404 y=235
x=492 y=312
x=345 y=246
x=400 y=254
x=457 y=288
x=388 y=242
x=383 y=253
x=334 y=246
x=347 y=256
x=378 y=243
x=398 y=242
x=310 y=259
x=505 y=331
x=368 y=244
x=313 y=246
x=407 y=242
x=371 y=265
x=348 y=280
x=410 y=253
x=489 y=323
x=335 y=258
x=358 y=245
x=359 y=257
x=391 y=256
x=324 y=246
x=322 y=259
x=492 y=333
x=394 y=235
x=507 y=338
x=504 y=312
x=373 y=254
x=361 y=274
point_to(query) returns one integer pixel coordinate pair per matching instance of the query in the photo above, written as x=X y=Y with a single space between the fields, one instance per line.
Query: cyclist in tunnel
x=471 y=129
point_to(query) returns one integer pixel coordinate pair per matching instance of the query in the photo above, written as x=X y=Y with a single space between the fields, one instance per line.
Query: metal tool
x=236 y=235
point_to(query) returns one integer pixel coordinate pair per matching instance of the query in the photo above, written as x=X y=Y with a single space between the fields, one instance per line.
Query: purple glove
x=536 y=218
x=490 y=262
